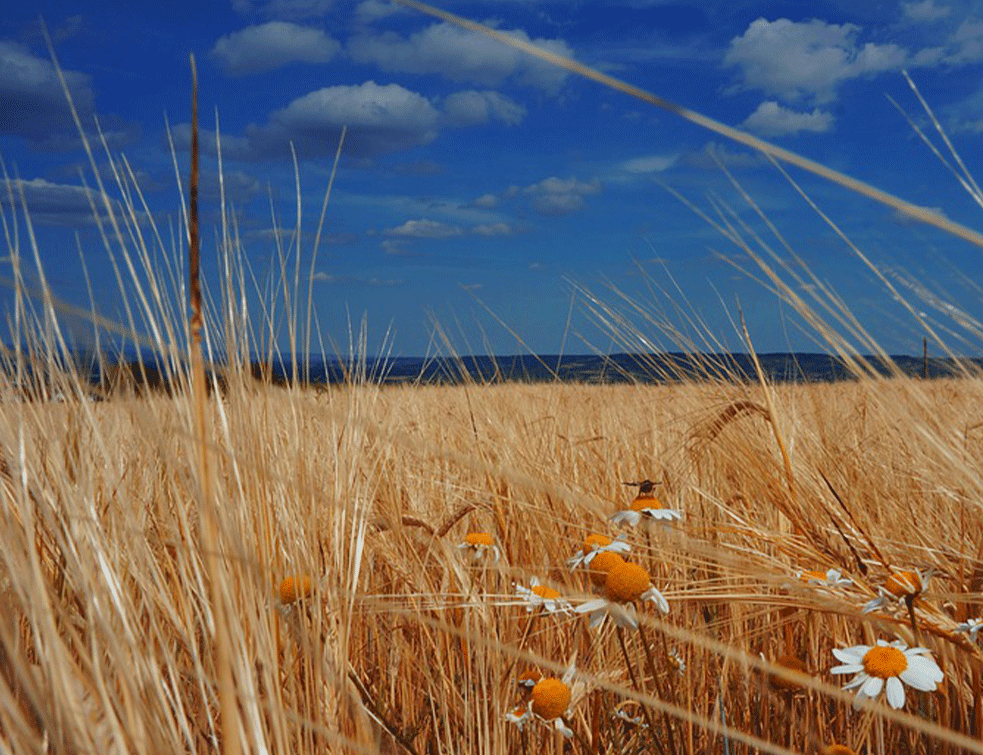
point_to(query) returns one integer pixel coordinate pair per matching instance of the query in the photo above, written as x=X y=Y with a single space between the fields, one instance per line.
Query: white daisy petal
x=924 y=677
x=656 y=597
x=627 y=516
x=895 y=692
x=851 y=655
x=872 y=687
x=848 y=668
x=591 y=605
x=857 y=681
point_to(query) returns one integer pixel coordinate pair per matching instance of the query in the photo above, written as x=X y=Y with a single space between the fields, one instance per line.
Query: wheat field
x=392 y=638
x=682 y=568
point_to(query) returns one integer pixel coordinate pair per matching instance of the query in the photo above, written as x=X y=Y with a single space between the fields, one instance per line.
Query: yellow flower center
x=626 y=583
x=479 y=538
x=601 y=564
x=884 y=662
x=903 y=583
x=294 y=588
x=550 y=698
x=546 y=593
x=807 y=576
x=595 y=541
x=837 y=750
x=646 y=502
x=792 y=663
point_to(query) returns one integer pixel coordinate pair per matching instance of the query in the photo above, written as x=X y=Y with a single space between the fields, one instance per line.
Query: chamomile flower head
x=596 y=544
x=646 y=507
x=972 y=627
x=625 y=585
x=479 y=546
x=828 y=578
x=541 y=596
x=549 y=700
x=520 y=715
x=600 y=565
x=899 y=587
x=293 y=589
x=887 y=666
x=835 y=749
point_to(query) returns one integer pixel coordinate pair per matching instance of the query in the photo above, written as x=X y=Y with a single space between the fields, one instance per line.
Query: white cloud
x=559 y=196
x=461 y=55
x=649 y=164
x=425 y=229
x=51 y=203
x=473 y=108
x=272 y=45
x=355 y=280
x=771 y=119
x=368 y=11
x=486 y=201
x=34 y=103
x=807 y=59
x=495 y=229
x=925 y=11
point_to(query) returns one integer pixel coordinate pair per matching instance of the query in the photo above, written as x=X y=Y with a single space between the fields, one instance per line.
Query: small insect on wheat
x=625 y=585
x=646 y=507
x=887 y=665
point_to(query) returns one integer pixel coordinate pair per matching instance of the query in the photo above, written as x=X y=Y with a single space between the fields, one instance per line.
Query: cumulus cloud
x=714 y=153
x=272 y=45
x=808 y=59
x=771 y=119
x=380 y=119
x=495 y=229
x=460 y=55
x=34 y=104
x=925 y=11
x=473 y=108
x=425 y=229
x=486 y=202
x=51 y=203
x=559 y=196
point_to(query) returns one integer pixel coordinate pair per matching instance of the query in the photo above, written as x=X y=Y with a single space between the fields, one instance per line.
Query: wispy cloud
x=425 y=229
x=771 y=119
x=272 y=45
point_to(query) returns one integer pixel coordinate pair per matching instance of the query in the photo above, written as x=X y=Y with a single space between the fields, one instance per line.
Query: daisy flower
x=972 y=627
x=480 y=545
x=548 y=702
x=886 y=666
x=600 y=565
x=828 y=578
x=900 y=586
x=595 y=544
x=645 y=506
x=541 y=596
x=294 y=588
x=625 y=585
x=835 y=749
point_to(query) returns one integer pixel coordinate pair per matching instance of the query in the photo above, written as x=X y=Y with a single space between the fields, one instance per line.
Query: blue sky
x=481 y=189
